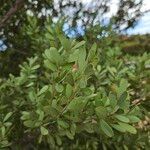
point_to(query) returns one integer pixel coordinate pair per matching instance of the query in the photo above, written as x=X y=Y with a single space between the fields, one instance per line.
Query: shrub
x=73 y=96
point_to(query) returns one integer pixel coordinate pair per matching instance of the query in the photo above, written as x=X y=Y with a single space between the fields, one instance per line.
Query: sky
x=142 y=27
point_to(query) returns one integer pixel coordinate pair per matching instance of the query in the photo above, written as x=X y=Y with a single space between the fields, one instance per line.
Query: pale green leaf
x=106 y=128
x=50 y=65
x=92 y=52
x=74 y=56
x=63 y=124
x=43 y=90
x=43 y=130
x=59 y=88
x=133 y=119
x=113 y=100
x=53 y=55
x=122 y=118
x=81 y=60
x=128 y=127
x=118 y=128
x=79 y=44
x=69 y=90
x=7 y=116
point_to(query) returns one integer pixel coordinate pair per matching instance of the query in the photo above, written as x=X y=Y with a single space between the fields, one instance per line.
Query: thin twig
x=18 y=4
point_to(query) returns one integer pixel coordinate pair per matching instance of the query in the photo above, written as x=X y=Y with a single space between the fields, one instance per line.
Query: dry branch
x=18 y=4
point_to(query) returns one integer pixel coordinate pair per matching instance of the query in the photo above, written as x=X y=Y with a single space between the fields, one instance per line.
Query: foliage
x=14 y=16
x=136 y=44
x=78 y=9
x=74 y=94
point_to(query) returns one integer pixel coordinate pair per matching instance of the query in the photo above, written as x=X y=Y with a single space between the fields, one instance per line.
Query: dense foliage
x=75 y=94
x=136 y=44
x=14 y=19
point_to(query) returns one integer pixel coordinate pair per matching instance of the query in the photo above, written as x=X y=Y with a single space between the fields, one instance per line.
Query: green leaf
x=35 y=67
x=44 y=131
x=128 y=127
x=30 y=84
x=63 y=124
x=7 y=116
x=123 y=85
x=78 y=45
x=81 y=60
x=133 y=119
x=113 y=100
x=32 y=96
x=118 y=128
x=77 y=105
x=53 y=55
x=58 y=140
x=92 y=52
x=122 y=99
x=101 y=112
x=59 y=88
x=65 y=42
x=43 y=90
x=29 y=123
x=73 y=128
x=74 y=56
x=111 y=71
x=88 y=127
x=41 y=114
x=69 y=135
x=50 y=65
x=3 y=131
x=122 y=118
x=83 y=82
x=51 y=140
x=7 y=124
x=99 y=68
x=25 y=115
x=69 y=90
x=106 y=128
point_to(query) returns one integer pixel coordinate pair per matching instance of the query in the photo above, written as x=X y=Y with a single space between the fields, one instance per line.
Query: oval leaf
x=122 y=118
x=68 y=90
x=79 y=45
x=133 y=119
x=53 y=55
x=128 y=127
x=106 y=128
x=44 y=131
x=118 y=128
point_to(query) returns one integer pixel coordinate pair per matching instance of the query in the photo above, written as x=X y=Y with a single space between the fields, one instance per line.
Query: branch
x=18 y=4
